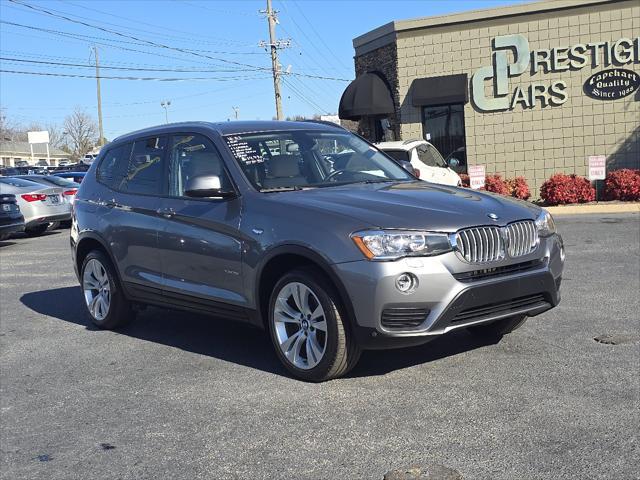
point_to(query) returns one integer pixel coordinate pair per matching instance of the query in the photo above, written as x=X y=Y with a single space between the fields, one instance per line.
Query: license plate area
x=55 y=199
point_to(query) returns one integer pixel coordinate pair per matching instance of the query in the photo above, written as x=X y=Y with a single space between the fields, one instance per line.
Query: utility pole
x=274 y=45
x=101 y=139
x=236 y=111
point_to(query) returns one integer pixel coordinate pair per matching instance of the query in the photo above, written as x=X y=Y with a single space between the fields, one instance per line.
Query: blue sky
x=231 y=67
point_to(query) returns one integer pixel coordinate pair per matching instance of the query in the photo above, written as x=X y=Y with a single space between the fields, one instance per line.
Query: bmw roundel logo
x=492 y=216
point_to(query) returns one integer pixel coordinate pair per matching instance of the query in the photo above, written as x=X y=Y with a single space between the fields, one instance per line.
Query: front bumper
x=451 y=294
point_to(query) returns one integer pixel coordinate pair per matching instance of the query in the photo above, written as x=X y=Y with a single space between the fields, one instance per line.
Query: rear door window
x=145 y=172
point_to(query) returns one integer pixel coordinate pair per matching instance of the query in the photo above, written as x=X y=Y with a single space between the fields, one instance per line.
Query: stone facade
x=534 y=142
x=384 y=61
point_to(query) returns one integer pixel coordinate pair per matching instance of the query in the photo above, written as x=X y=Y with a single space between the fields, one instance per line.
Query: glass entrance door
x=443 y=126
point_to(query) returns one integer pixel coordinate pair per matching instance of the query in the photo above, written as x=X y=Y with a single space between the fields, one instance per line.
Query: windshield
x=428 y=155
x=306 y=159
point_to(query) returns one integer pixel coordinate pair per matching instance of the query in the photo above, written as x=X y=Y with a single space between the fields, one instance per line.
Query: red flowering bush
x=464 y=178
x=495 y=184
x=518 y=188
x=622 y=185
x=561 y=189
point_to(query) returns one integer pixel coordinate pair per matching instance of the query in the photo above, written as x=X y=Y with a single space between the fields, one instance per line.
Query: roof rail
x=324 y=122
x=411 y=140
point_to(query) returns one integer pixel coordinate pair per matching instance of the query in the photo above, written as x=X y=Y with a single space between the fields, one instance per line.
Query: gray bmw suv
x=310 y=232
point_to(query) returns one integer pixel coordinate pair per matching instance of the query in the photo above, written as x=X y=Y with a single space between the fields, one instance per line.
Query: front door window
x=443 y=126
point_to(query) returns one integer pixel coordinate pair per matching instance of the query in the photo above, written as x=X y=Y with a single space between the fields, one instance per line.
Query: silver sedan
x=40 y=205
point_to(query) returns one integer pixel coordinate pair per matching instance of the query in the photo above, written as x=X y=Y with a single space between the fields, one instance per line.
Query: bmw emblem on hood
x=492 y=216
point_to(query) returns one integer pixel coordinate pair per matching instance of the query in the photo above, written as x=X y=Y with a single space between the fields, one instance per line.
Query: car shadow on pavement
x=232 y=341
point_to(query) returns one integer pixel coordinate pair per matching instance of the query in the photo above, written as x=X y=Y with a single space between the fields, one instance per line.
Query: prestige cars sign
x=612 y=84
x=543 y=93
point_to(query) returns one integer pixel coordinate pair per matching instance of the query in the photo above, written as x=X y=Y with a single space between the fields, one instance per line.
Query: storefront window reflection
x=443 y=126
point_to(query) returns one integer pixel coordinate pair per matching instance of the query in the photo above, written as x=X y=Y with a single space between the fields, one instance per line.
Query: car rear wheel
x=37 y=230
x=106 y=304
x=498 y=328
x=308 y=328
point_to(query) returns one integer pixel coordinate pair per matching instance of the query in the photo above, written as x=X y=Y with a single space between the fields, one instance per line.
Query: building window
x=6 y=162
x=443 y=126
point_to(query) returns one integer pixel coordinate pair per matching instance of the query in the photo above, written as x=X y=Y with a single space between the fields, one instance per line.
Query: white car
x=89 y=158
x=424 y=158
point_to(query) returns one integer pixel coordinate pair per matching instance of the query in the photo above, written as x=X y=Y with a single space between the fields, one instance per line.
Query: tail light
x=416 y=172
x=73 y=191
x=34 y=197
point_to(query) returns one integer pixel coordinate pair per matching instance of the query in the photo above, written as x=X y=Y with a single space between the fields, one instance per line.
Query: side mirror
x=454 y=162
x=406 y=165
x=204 y=186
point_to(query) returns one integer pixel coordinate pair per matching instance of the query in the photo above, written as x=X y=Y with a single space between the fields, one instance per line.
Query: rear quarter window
x=145 y=171
x=113 y=166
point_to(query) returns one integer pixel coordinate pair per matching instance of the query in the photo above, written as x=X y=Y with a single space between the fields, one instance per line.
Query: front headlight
x=545 y=224
x=394 y=244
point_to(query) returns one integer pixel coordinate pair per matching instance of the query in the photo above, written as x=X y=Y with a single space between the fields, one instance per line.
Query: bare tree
x=9 y=130
x=80 y=133
x=56 y=136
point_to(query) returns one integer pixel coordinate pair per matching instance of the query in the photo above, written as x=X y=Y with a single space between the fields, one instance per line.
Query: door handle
x=166 y=212
x=109 y=203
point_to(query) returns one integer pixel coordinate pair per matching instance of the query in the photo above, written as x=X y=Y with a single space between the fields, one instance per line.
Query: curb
x=584 y=209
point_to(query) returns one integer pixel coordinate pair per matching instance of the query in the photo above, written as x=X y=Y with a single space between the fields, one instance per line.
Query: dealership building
x=525 y=90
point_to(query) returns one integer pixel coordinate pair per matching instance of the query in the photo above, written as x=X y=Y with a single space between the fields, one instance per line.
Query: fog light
x=406 y=282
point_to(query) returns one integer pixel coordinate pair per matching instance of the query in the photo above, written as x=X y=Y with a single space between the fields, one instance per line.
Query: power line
x=137 y=69
x=303 y=97
x=163 y=34
x=161 y=45
x=92 y=38
x=313 y=29
x=159 y=79
x=92 y=42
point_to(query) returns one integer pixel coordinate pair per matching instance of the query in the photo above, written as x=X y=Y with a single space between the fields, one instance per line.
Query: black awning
x=366 y=95
x=440 y=90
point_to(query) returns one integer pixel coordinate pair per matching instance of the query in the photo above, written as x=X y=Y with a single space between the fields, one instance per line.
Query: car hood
x=413 y=205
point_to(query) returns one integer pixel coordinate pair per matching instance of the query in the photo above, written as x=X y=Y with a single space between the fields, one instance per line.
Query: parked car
x=70 y=188
x=425 y=158
x=11 y=220
x=74 y=176
x=330 y=261
x=39 y=205
x=88 y=158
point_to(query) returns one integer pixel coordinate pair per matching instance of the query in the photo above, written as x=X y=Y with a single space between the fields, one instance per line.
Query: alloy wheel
x=97 y=289
x=300 y=325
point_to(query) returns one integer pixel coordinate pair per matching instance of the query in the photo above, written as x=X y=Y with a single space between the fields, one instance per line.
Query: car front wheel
x=107 y=305
x=308 y=329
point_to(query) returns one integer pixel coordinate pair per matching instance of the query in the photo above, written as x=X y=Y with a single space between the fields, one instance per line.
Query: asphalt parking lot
x=177 y=395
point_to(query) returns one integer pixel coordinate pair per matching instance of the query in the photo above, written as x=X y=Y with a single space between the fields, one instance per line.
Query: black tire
x=37 y=230
x=120 y=311
x=499 y=328
x=341 y=351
